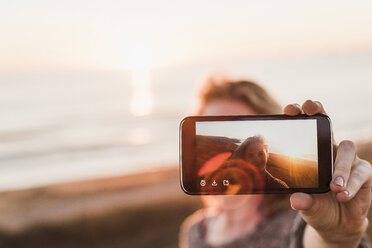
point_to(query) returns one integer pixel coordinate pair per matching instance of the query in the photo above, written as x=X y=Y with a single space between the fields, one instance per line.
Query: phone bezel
x=325 y=151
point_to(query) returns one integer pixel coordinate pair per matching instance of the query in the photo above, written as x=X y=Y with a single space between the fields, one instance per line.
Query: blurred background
x=92 y=93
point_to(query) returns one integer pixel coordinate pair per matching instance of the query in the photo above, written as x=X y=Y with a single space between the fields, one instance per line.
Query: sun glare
x=295 y=151
x=139 y=59
x=141 y=102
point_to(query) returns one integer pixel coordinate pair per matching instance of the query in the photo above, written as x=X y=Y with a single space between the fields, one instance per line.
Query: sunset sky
x=125 y=34
x=297 y=138
x=98 y=88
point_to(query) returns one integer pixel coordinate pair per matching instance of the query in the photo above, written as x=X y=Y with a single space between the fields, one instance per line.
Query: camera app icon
x=203 y=183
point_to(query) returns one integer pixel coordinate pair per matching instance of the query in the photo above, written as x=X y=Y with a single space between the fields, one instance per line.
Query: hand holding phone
x=339 y=217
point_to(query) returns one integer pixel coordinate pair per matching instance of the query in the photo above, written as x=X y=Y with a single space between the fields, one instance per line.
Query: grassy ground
x=296 y=172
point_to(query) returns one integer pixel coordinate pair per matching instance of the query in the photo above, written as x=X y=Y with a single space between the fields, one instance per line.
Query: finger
x=313 y=107
x=345 y=157
x=292 y=109
x=360 y=177
x=301 y=201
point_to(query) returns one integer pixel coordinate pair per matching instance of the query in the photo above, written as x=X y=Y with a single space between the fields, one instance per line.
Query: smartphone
x=255 y=154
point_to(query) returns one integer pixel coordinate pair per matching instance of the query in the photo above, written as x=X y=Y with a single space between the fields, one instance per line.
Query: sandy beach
x=138 y=210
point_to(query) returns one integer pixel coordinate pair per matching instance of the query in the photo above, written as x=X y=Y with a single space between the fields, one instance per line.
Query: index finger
x=292 y=109
x=313 y=107
x=346 y=154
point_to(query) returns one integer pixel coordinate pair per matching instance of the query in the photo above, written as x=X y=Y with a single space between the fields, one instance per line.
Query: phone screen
x=255 y=156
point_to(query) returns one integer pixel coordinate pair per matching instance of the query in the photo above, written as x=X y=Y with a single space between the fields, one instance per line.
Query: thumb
x=313 y=208
x=303 y=202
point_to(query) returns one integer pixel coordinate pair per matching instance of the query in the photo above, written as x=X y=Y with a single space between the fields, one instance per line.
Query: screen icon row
x=204 y=183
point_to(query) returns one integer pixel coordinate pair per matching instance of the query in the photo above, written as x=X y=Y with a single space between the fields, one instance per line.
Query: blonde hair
x=256 y=98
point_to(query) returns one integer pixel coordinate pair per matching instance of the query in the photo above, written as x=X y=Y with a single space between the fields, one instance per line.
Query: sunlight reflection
x=141 y=102
x=140 y=61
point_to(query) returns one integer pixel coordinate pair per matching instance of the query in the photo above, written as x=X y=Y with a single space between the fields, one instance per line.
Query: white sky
x=43 y=36
x=47 y=34
x=291 y=137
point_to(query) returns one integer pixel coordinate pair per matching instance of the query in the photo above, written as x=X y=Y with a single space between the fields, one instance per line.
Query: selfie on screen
x=281 y=155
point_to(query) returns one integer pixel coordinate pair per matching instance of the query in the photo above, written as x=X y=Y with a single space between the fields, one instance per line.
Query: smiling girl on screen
x=334 y=219
x=255 y=151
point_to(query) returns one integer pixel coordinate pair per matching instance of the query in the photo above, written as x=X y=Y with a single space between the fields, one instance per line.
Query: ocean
x=66 y=125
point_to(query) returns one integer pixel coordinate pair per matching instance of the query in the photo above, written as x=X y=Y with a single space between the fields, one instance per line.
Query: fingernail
x=339 y=181
x=346 y=193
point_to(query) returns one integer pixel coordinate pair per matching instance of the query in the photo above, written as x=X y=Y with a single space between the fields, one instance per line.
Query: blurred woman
x=335 y=219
